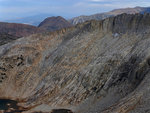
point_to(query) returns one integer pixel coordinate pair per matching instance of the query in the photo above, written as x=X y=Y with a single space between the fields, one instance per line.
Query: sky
x=12 y=9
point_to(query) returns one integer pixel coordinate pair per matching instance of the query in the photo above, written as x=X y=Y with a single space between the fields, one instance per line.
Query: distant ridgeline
x=101 y=16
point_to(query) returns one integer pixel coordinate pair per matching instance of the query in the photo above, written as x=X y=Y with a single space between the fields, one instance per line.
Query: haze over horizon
x=13 y=9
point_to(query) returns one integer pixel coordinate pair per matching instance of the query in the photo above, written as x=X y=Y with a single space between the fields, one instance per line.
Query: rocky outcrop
x=97 y=66
x=101 y=16
x=54 y=23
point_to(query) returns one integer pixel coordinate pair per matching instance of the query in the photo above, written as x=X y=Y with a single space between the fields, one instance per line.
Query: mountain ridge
x=12 y=31
x=18 y=30
x=115 y=12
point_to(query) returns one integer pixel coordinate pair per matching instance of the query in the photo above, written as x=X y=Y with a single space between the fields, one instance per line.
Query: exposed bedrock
x=94 y=67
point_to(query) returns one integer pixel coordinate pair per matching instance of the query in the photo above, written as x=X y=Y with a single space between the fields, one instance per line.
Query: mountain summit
x=54 y=23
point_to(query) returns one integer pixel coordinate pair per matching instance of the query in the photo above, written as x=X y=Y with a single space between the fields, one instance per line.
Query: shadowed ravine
x=10 y=106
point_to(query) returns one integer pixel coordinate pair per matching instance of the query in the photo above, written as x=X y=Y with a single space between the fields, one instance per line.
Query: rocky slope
x=54 y=23
x=115 y=12
x=94 y=67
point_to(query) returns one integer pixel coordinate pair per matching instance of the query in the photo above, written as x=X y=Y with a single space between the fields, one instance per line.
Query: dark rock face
x=5 y=38
x=121 y=24
x=10 y=106
x=54 y=23
x=98 y=66
x=129 y=23
x=61 y=111
x=116 y=12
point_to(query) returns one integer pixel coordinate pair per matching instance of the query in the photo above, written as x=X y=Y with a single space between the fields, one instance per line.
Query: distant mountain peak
x=54 y=23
